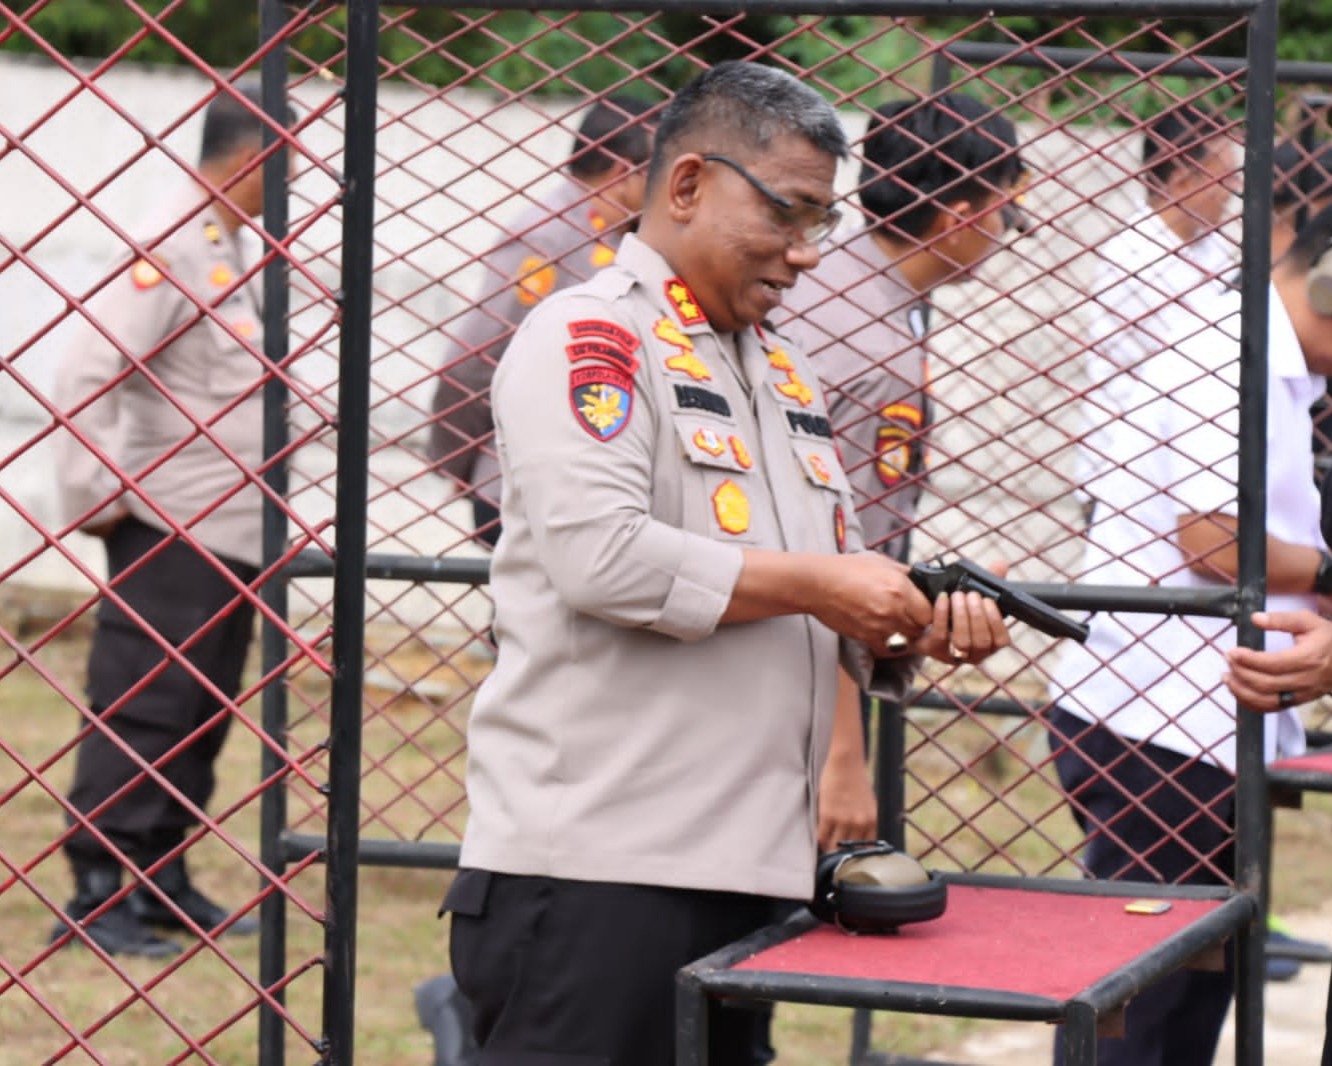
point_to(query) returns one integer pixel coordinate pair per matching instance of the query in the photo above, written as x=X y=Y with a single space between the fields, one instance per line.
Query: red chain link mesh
x=455 y=167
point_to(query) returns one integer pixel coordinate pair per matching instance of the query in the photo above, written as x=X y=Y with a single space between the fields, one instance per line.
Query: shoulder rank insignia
x=708 y=440
x=602 y=399
x=220 y=275
x=536 y=280
x=686 y=307
x=793 y=386
x=144 y=274
x=741 y=453
x=686 y=362
x=731 y=507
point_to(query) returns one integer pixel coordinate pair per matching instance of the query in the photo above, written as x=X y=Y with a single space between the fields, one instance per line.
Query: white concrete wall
x=433 y=202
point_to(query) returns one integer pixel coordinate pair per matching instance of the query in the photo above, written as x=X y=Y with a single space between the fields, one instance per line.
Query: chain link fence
x=476 y=125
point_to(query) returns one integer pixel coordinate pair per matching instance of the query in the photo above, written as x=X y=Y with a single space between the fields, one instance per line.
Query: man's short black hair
x=1311 y=243
x=614 y=130
x=1179 y=133
x=228 y=123
x=1300 y=175
x=922 y=153
x=743 y=107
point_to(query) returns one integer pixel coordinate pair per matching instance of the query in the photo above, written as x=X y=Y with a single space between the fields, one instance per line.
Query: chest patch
x=731 y=506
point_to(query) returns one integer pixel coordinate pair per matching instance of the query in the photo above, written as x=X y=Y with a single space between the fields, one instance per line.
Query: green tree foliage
x=511 y=51
x=524 y=51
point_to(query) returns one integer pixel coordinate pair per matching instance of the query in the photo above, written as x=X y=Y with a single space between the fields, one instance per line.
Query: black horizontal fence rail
x=1200 y=8
x=351 y=565
x=1056 y=58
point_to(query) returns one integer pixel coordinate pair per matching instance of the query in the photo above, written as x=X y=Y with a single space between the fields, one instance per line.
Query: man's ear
x=950 y=216
x=684 y=186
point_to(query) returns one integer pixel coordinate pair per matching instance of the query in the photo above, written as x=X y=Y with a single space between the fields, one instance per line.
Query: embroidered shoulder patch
x=892 y=454
x=600 y=329
x=603 y=352
x=904 y=412
x=602 y=399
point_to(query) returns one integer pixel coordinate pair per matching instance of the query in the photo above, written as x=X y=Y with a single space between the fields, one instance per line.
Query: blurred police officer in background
x=175 y=329
x=548 y=247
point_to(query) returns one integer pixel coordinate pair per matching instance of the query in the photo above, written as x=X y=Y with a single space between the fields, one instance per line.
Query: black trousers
x=1149 y=814
x=575 y=973
x=182 y=597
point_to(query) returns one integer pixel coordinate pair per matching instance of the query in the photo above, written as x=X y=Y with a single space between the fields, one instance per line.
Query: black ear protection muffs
x=868 y=886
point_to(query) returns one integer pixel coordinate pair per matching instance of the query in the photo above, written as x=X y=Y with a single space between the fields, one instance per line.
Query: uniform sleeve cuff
x=701 y=590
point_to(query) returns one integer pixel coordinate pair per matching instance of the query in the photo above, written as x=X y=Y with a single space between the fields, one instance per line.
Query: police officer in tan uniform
x=936 y=187
x=680 y=573
x=550 y=246
x=163 y=385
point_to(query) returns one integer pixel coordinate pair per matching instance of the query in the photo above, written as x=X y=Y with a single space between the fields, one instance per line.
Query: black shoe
x=187 y=902
x=117 y=931
x=1278 y=968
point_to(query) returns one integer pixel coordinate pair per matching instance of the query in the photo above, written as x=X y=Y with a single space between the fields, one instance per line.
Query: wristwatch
x=1323 y=575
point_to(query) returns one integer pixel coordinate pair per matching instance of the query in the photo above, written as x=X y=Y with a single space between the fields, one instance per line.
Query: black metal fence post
x=344 y=780
x=1252 y=812
x=273 y=644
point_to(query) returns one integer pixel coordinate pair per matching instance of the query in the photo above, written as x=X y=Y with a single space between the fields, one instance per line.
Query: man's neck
x=920 y=268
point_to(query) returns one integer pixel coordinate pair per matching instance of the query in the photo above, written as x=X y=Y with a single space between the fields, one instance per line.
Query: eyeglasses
x=809 y=222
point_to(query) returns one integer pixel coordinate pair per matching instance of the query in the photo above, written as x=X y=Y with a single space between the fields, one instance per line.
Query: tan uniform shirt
x=863 y=328
x=549 y=247
x=624 y=735
x=175 y=335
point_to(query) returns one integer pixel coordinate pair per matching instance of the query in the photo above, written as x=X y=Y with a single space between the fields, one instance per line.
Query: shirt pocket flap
x=820 y=464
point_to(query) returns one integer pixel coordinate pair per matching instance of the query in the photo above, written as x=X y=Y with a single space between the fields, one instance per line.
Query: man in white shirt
x=1159 y=277
x=1143 y=730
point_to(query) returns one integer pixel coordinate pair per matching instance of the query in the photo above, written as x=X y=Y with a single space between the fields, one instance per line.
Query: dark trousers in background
x=579 y=973
x=181 y=596
x=1122 y=796
x=486 y=521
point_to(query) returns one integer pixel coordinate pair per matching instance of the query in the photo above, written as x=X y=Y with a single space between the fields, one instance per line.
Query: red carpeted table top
x=1037 y=943
x=1314 y=762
